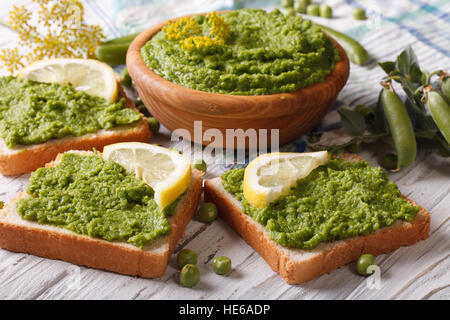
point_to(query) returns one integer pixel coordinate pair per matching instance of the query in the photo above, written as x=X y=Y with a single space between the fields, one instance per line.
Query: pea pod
x=112 y=53
x=445 y=87
x=440 y=112
x=355 y=51
x=400 y=126
x=125 y=39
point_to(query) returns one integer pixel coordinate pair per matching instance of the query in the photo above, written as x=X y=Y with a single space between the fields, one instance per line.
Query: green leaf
x=352 y=121
x=408 y=65
x=387 y=66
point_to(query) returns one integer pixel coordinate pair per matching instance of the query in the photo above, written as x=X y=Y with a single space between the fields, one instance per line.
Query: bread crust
x=57 y=243
x=322 y=259
x=29 y=158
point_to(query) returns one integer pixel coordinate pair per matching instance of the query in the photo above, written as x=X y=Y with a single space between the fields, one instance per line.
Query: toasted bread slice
x=296 y=265
x=24 y=159
x=19 y=235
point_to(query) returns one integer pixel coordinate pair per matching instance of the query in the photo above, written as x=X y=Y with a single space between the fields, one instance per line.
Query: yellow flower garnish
x=65 y=34
x=188 y=32
x=182 y=28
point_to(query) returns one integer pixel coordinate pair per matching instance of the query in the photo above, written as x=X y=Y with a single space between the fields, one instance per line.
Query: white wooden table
x=418 y=272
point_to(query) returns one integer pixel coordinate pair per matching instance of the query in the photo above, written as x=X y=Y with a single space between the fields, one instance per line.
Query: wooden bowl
x=177 y=107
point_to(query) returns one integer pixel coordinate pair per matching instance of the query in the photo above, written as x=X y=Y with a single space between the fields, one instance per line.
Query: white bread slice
x=296 y=265
x=19 y=235
x=25 y=159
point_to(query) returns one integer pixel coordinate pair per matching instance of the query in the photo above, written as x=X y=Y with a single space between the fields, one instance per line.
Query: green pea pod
x=401 y=128
x=114 y=54
x=440 y=112
x=125 y=39
x=355 y=51
x=125 y=78
x=445 y=87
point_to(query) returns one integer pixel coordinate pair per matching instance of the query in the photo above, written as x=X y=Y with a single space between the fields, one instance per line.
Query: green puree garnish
x=337 y=201
x=97 y=198
x=243 y=52
x=35 y=112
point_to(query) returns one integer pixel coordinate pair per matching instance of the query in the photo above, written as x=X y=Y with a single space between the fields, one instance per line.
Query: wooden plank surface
x=417 y=272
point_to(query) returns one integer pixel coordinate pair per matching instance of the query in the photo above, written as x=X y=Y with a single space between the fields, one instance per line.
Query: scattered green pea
x=189 y=276
x=290 y=12
x=300 y=6
x=364 y=262
x=186 y=256
x=389 y=161
x=199 y=164
x=221 y=265
x=326 y=11
x=207 y=212
x=154 y=125
x=2 y=204
x=359 y=14
x=125 y=78
x=313 y=10
x=355 y=147
x=287 y=3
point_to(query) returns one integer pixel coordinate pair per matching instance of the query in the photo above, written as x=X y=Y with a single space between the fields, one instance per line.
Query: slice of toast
x=25 y=159
x=296 y=265
x=19 y=235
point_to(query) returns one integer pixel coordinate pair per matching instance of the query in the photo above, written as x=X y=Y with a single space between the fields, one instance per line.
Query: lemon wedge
x=271 y=175
x=92 y=76
x=166 y=171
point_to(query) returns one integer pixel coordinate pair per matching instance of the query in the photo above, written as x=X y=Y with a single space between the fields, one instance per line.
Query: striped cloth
x=392 y=25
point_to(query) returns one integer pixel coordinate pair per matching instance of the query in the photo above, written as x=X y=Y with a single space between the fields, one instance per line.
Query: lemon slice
x=272 y=175
x=92 y=76
x=166 y=171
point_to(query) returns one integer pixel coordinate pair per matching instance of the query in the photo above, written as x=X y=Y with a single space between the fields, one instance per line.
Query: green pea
x=221 y=265
x=287 y=3
x=199 y=164
x=186 y=256
x=313 y=10
x=207 y=212
x=300 y=6
x=359 y=14
x=326 y=11
x=2 y=204
x=389 y=161
x=364 y=262
x=355 y=147
x=189 y=276
x=154 y=125
x=290 y=12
